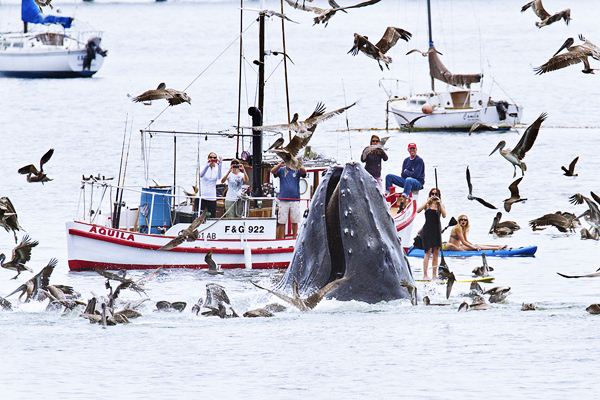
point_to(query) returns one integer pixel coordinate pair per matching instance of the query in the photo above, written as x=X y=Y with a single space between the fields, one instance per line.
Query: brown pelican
x=424 y=53
x=257 y=313
x=325 y=14
x=591 y=275
x=33 y=175
x=546 y=18
x=448 y=276
x=570 y=171
x=213 y=268
x=591 y=233
x=217 y=303
x=470 y=195
x=41 y=280
x=514 y=195
x=593 y=213
x=497 y=294
x=427 y=302
x=5 y=304
x=593 y=309
x=480 y=126
x=409 y=124
x=379 y=50
x=503 y=228
x=136 y=286
x=311 y=301
x=270 y=13
x=69 y=304
x=478 y=303
x=189 y=234
x=515 y=156
x=20 y=255
x=173 y=97
x=528 y=307
x=484 y=270
x=8 y=217
x=412 y=291
x=574 y=55
x=562 y=222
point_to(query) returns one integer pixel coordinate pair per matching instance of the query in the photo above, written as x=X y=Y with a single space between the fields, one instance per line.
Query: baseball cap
x=412 y=145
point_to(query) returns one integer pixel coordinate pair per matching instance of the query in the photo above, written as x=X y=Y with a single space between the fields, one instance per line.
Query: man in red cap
x=413 y=173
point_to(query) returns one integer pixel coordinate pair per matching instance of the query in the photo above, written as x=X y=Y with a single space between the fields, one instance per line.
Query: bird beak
x=497 y=148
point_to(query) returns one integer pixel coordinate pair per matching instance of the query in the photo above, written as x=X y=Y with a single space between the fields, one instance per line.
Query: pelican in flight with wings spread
x=325 y=14
x=574 y=55
x=378 y=51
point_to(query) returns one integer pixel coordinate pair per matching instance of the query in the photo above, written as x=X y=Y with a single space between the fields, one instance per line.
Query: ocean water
x=350 y=350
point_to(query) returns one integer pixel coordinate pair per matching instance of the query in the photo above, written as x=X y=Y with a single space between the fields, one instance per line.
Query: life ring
x=303 y=184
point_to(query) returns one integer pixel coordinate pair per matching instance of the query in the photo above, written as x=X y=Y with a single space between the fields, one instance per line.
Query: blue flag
x=30 y=12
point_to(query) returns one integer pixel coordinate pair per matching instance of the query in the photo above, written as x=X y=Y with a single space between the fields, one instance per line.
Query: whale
x=349 y=233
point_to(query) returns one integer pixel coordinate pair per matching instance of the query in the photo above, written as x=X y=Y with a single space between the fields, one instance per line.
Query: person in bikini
x=458 y=238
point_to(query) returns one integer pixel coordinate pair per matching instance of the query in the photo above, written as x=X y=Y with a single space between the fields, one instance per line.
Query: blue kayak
x=527 y=251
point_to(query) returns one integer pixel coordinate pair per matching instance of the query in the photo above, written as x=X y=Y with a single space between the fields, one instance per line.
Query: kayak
x=527 y=251
x=486 y=279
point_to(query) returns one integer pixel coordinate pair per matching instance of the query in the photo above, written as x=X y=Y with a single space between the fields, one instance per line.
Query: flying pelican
x=325 y=14
x=503 y=228
x=574 y=55
x=514 y=195
x=8 y=217
x=270 y=13
x=593 y=213
x=570 y=171
x=546 y=18
x=20 y=255
x=470 y=195
x=172 y=96
x=41 y=280
x=33 y=175
x=188 y=234
x=409 y=124
x=516 y=155
x=137 y=286
x=378 y=51
x=558 y=220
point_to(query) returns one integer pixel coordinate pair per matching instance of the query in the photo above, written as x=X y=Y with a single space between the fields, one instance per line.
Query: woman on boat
x=208 y=184
x=432 y=231
x=458 y=238
x=372 y=156
x=236 y=177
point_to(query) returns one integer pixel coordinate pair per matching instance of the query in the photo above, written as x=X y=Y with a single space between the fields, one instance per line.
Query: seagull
x=574 y=55
x=379 y=50
x=173 y=97
x=503 y=228
x=515 y=156
x=424 y=53
x=409 y=124
x=558 y=220
x=8 y=217
x=20 y=255
x=570 y=171
x=33 y=175
x=188 y=234
x=546 y=18
x=470 y=195
x=514 y=195
x=213 y=268
x=325 y=14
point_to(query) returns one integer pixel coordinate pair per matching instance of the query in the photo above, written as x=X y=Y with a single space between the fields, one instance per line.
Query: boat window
x=17 y=44
x=51 y=39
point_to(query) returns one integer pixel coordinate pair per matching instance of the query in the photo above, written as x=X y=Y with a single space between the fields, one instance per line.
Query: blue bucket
x=161 y=211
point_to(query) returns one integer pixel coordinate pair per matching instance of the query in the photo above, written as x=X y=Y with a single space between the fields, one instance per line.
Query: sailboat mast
x=430 y=38
x=261 y=63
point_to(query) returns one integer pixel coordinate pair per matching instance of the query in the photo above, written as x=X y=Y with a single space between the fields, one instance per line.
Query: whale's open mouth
x=332 y=224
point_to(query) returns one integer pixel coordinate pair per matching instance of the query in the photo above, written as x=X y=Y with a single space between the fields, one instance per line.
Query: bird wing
x=592 y=275
x=559 y=61
x=324 y=117
x=318 y=112
x=514 y=188
x=363 y=4
x=469 y=181
x=42 y=279
x=484 y=203
x=556 y=220
x=271 y=128
x=283 y=297
x=196 y=222
x=153 y=94
x=529 y=137
x=391 y=37
x=296 y=4
x=28 y=169
x=45 y=158
x=212 y=265
x=572 y=165
x=111 y=276
x=161 y=86
x=539 y=10
x=595 y=197
x=314 y=299
x=171 y=244
x=22 y=252
x=276 y=144
x=400 y=115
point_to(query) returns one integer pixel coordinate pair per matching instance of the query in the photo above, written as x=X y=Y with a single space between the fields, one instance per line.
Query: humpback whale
x=349 y=234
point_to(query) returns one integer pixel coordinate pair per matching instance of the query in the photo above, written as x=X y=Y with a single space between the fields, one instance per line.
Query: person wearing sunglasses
x=372 y=156
x=288 y=199
x=413 y=174
x=431 y=233
x=458 y=238
x=236 y=177
x=209 y=176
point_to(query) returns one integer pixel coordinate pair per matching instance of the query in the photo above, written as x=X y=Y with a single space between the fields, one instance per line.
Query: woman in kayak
x=458 y=238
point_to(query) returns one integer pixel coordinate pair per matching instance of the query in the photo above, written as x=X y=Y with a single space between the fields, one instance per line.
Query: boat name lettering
x=112 y=233
x=242 y=229
x=470 y=116
x=209 y=235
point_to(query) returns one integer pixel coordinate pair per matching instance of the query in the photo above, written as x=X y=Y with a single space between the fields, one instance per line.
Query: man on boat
x=413 y=174
x=289 y=197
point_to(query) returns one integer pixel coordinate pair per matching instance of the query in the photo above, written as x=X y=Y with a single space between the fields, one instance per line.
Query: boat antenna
x=430 y=39
x=285 y=70
x=239 y=109
x=115 y=223
x=124 y=173
x=346 y=116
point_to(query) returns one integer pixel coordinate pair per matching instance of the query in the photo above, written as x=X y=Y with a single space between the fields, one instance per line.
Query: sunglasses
x=374 y=141
x=463 y=220
x=212 y=158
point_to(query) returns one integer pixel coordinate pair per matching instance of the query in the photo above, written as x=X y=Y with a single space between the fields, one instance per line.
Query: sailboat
x=459 y=108
x=54 y=52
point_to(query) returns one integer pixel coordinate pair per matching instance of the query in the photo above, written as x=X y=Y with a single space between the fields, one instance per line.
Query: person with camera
x=236 y=177
x=431 y=233
x=208 y=184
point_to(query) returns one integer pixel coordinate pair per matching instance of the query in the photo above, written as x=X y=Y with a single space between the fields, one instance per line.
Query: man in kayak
x=412 y=177
x=458 y=238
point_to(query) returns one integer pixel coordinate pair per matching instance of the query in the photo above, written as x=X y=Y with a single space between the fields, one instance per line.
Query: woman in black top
x=432 y=231
x=372 y=156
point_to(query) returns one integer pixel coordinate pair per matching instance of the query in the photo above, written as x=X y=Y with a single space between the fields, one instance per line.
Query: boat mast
x=24 y=27
x=239 y=110
x=258 y=112
x=430 y=39
x=285 y=71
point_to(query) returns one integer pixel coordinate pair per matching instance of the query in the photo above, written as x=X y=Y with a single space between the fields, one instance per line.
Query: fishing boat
x=459 y=108
x=54 y=50
x=124 y=227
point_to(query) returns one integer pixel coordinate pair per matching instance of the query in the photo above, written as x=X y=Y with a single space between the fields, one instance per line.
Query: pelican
x=516 y=155
x=503 y=228
x=470 y=195
x=173 y=97
x=412 y=291
x=325 y=14
x=189 y=234
x=5 y=304
x=270 y=13
x=571 y=170
x=497 y=294
x=593 y=213
x=378 y=51
x=137 y=286
x=591 y=233
x=562 y=222
x=258 y=312
x=574 y=55
x=544 y=16
x=446 y=274
x=424 y=53
x=528 y=307
x=311 y=301
x=409 y=124
x=8 y=217
x=20 y=255
x=217 y=302
x=33 y=175
x=514 y=195
x=213 y=268
x=484 y=270
x=593 y=309
x=41 y=280
x=591 y=275
x=427 y=302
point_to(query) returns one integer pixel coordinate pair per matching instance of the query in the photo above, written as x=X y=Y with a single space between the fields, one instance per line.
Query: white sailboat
x=55 y=51
x=458 y=108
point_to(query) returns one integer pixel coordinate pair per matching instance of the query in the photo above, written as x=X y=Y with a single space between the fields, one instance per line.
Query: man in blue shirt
x=289 y=197
x=413 y=173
